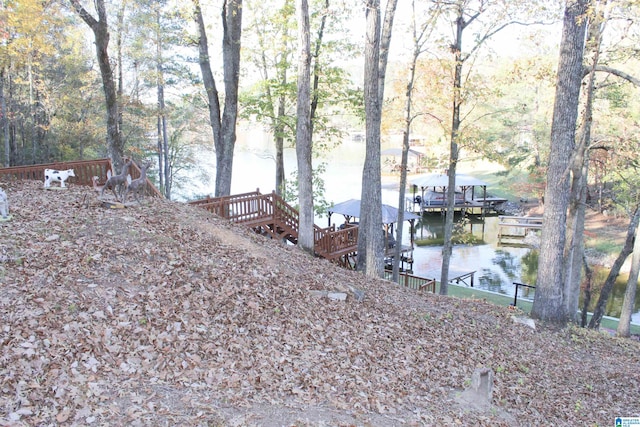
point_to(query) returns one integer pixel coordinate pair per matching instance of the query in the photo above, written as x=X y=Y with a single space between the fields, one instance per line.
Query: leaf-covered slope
x=160 y=314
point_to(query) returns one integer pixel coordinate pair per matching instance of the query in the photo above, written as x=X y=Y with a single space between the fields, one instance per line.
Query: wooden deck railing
x=270 y=210
x=239 y=208
x=84 y=171
x=331 y=243
x=413 y=282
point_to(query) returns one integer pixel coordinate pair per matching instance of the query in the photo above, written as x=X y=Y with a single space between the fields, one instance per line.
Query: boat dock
x=471 y=207
x=517 y=227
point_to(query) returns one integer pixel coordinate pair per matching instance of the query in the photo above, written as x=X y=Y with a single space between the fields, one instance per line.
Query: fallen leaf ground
x=160 y=315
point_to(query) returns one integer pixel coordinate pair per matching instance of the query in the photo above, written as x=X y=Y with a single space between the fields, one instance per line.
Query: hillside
x=160 y=314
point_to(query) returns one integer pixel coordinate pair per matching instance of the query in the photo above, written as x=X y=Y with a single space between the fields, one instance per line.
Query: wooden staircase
x=267 y=214
x=271 y=215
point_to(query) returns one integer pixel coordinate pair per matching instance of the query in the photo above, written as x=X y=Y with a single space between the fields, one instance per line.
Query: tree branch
x=490 y=34
x=86 y=16
x=603 y=68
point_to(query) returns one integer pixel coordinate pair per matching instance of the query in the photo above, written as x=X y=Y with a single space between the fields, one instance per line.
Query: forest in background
x=574 y=125
x=53 y=104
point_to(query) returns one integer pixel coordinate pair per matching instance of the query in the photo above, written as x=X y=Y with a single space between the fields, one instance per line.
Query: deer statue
x=95 y=180
x=139 y=184
x=116 y=182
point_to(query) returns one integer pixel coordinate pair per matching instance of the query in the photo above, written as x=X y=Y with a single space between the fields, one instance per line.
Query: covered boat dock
x=350 y=210
x=430 y=195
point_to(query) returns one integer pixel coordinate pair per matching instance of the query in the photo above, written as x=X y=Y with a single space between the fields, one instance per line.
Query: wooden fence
x=413 y=282
x=84 y=171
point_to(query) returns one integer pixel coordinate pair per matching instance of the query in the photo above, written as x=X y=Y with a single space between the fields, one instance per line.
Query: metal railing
x=413 y=282
x=518 y=285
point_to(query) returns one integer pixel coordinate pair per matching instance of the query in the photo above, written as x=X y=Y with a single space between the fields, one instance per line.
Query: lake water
x=496 y=267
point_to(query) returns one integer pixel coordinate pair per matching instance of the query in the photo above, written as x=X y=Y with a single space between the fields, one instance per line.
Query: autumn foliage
x=160 y=314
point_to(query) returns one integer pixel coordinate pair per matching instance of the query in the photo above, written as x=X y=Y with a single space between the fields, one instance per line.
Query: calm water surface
x=496 y=267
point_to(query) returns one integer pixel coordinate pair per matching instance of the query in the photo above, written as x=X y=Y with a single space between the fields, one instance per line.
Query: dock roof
x=442 y=180
x=351 y=208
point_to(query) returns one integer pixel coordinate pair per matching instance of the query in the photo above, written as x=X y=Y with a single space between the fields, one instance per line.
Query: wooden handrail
x=413 y=282
x=84 y=171
x=334 y=243
x=271 y=210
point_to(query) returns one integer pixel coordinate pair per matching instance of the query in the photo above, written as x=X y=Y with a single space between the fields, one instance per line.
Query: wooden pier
x=517 y=227
x=478 y=207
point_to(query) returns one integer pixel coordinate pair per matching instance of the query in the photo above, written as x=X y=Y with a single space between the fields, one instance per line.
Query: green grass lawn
x=501 y=185
x=523 y=304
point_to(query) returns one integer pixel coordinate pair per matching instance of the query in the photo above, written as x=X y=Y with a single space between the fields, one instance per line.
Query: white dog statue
x=56 y=175
x=4 y=204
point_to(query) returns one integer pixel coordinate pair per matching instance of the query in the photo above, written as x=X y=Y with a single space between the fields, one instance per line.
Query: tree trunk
x=160 y=153
x=303 y=131
x=278 y=117
x=209 y=82
x=11 y=125
x=232 y=26
x=601 y=305
x=163 y=137
x=549 y=303
x=417 y=49
x=32 y=112
x=119 y=44
x=5 y=122
x=385 y=42
x=580 y=170
x=370 y=237
x=575 y=228
x=447 y=247
x=624 y=324
x=168 y=175
x=588 y=279
x=317 y=70
x=280 y=180
x=577 y=213
x=224 y=128
x=100 y=30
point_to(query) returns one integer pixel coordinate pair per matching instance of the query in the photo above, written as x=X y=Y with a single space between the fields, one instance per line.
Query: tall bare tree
x=624 y=324
x=223 y=124
x=579 y=173
x=549 y=303
x=465 y=13
x=4 y=121
x=610 y=281
x=420 y=34
x=100 y=28
x=377 y=41
x=303 y=130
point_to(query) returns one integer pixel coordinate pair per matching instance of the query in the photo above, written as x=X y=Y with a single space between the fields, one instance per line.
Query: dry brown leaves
x=160 y=314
